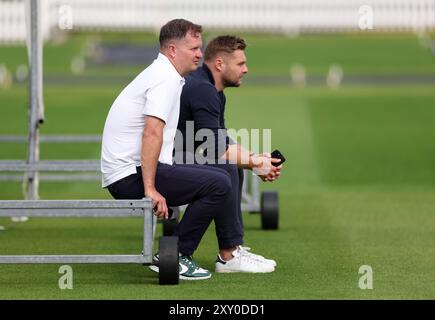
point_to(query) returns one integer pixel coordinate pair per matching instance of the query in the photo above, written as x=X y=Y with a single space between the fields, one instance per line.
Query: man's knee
x=221 y=183
x=232 y=169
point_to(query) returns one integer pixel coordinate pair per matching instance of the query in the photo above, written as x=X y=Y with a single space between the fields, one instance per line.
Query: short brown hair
x=227 y=44
x=177 y=29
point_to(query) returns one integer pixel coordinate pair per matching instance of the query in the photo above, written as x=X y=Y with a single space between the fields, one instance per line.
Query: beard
x=228 y=83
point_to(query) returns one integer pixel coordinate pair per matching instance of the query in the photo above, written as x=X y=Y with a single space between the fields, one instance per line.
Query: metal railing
x=89 y=170
x=84 y=208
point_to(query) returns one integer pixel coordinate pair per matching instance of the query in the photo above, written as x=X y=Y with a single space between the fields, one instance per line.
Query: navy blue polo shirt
x=201 y=103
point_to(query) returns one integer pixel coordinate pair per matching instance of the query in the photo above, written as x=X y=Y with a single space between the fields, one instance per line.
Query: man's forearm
x=241 y=156
x=151 y=146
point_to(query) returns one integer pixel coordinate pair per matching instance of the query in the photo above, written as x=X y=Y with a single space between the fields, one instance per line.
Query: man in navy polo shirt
x=202 y=105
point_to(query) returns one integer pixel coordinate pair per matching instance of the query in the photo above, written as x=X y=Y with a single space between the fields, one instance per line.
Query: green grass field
x=358 y=187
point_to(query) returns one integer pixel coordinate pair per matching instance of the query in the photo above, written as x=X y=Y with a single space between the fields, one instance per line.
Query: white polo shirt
x=154 y=92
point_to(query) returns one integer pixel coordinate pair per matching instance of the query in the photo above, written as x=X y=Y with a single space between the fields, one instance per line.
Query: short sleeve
x=161 y=99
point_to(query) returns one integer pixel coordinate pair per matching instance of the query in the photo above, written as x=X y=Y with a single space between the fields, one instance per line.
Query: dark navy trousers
x=212 y=192
x=229 y=226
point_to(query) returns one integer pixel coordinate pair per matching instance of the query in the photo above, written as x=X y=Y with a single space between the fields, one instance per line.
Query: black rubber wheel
x=168 y=260
x=169 y=227
x=170 y=224
x=269 y=210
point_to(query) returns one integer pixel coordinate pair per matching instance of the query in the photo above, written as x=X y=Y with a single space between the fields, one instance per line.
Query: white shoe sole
x=156 y=269
x=273 y=264
x=241 y=271
x=194 y=278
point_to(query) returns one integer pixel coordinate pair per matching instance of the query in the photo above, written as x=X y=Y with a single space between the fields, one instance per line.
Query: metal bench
x=253 y=201
x=168 y=246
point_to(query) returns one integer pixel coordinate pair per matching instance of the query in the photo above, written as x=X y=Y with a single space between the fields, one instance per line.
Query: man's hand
x=159 y=203
x=265 y=168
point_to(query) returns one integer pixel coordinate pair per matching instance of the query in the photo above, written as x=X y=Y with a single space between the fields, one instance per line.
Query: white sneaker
x=242 y=261
x=257 y=256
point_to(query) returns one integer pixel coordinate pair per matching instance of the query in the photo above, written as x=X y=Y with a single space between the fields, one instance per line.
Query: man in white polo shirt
x=138 y=142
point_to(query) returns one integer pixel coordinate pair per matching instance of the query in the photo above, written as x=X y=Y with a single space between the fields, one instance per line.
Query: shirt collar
x=163 y=58
x=208 y=73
